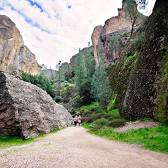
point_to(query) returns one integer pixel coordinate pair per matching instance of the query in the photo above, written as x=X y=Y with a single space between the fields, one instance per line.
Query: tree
x=133 y=14
x=101 y=86
x=83 y=75
x=59 y=79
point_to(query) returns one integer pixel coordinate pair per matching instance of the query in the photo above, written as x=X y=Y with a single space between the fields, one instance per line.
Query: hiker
x=79 y=120
x=75 y=120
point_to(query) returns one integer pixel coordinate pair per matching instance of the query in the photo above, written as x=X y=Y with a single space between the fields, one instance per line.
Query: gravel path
x=75 y=148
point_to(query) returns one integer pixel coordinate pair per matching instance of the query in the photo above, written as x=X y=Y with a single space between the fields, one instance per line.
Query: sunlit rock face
x=109 y=39
x=14 y=55
x=95 y=40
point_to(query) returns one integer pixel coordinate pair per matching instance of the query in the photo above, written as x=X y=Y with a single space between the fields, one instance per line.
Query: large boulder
x=26 y=110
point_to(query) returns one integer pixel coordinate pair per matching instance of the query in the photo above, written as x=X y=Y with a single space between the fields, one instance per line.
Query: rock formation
x=26 y=110
x=146 y=95
x=14 y=55
x=95 y=40
x=109 y=39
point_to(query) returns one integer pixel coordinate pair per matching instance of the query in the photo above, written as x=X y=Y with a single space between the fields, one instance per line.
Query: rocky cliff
x=147 y=92
x=14 y=55
x=108 y=40
x=26 y=110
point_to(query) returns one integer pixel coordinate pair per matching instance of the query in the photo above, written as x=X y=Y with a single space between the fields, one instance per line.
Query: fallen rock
x=27 y=111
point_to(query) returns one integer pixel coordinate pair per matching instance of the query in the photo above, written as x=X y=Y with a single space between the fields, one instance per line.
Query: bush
x=115 y=114
x=101 y=89
x=92 y=117
x=115 y=123
x=88 y=110
x=67 y=93
x=58 y=99
x=100 y=123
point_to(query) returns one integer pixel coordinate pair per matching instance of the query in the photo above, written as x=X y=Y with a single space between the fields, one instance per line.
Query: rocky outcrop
x=109 y=39
x=14 y=55
x=95 y=40
x=26 y=110
x=147 y=92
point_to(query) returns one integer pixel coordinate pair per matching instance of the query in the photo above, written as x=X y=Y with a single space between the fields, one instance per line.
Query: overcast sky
x=55 y=29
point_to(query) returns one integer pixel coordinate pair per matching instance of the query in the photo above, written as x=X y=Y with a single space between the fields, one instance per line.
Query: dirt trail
x=75 y=148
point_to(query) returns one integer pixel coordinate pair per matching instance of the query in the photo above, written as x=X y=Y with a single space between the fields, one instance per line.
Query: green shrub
x=87 y=110
x=115 y=113
x=115 y=123
x=100 y=123
x=40 y=81
x=112 y=102
x=92 y=117
x=58 y=99
x=67 y=93
x=101 y=88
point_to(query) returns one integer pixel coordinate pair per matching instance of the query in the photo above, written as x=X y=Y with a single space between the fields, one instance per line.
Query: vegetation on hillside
x=42 y=82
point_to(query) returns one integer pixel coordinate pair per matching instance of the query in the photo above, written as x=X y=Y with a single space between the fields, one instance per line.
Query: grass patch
x=9 y=141
x=155 y=139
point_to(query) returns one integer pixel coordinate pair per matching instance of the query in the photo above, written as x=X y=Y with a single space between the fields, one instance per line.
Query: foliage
x=90 y=112
x=112 y=102
x=85 y=92
x=101 y=87
x=93 y=112
x=40 y=81
x=162 y=101
x=9 y=141
x=115 y=113
x=58 y=99
x=119 y=74
x=100 y=123
x=93 y=107
x=67 y=93
x=155 y=138
x=84 y=70
x=133 y=14
x=115 y=123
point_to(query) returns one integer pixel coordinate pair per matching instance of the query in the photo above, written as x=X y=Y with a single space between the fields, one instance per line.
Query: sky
x=54 y=30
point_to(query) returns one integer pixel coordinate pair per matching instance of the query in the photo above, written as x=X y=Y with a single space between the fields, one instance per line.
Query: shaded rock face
x=14 y=55
x=108 y=40
x=26 y=110
x=146 y=95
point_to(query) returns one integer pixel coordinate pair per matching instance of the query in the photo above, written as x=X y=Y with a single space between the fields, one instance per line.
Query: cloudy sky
x=55 y=29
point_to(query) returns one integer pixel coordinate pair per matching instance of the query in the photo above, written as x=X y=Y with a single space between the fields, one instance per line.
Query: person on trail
x=75 y=120
x=79 y=120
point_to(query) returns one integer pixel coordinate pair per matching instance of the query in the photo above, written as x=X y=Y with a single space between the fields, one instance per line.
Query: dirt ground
x=137 y=125
x=75 y=148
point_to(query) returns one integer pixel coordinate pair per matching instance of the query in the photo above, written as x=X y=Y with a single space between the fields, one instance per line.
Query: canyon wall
x=108 y=40
x=14 y=55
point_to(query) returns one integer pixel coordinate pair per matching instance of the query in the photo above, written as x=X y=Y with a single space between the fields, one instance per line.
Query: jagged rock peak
x=113 y=27
x=14 y=55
